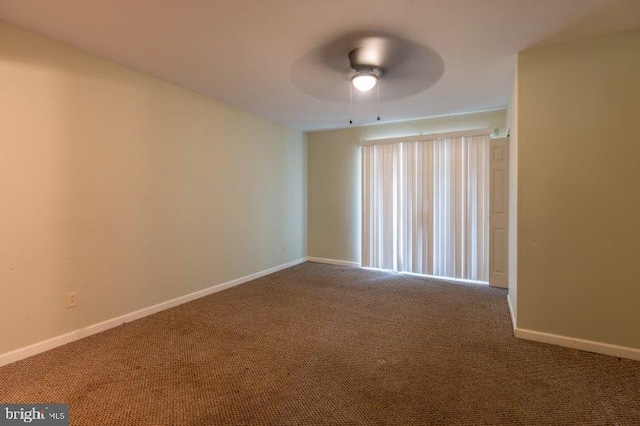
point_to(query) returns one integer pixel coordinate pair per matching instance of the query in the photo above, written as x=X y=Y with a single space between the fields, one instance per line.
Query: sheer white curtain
x=426 y=206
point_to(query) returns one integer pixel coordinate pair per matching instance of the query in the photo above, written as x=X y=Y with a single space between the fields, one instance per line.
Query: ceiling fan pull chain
x=378 y=99
x=350 y=109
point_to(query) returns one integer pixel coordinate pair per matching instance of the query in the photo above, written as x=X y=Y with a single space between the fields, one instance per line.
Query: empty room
x=305 y=212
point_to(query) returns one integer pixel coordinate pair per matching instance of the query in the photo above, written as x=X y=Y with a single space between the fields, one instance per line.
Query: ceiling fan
x=367 y=63
x=404 y=68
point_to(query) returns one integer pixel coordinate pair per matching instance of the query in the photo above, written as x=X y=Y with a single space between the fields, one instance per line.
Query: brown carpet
x=319 y=344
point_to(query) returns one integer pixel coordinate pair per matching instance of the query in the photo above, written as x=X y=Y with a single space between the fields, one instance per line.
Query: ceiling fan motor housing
x=364 y=65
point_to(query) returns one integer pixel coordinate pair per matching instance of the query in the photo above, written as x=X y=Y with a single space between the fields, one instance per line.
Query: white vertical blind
x=426 y=206
x=380 y=169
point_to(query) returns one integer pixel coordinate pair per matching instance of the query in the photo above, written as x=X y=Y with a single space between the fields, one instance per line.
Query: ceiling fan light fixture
x=364 y=80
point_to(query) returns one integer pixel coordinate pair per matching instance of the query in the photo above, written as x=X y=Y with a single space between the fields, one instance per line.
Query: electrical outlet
x=72 y=299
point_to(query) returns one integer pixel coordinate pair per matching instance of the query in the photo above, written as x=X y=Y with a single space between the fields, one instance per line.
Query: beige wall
x=129 y=190
x=579 y=190
x=334 y=177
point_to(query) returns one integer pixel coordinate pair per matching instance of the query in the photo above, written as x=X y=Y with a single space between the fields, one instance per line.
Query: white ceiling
x=242 y=51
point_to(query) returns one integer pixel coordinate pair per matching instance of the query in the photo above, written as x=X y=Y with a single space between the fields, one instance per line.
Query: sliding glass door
x=426 y=206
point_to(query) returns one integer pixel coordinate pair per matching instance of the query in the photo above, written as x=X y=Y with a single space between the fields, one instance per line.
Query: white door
x=499 y=212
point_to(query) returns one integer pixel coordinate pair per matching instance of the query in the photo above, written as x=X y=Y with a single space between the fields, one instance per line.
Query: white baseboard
x=513 y=316
x=36 y=348
x=572 y=342
x=583 y=345
x=333 y=262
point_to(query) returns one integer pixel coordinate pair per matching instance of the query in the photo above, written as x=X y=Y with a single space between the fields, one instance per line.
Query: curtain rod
x=428 y=137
